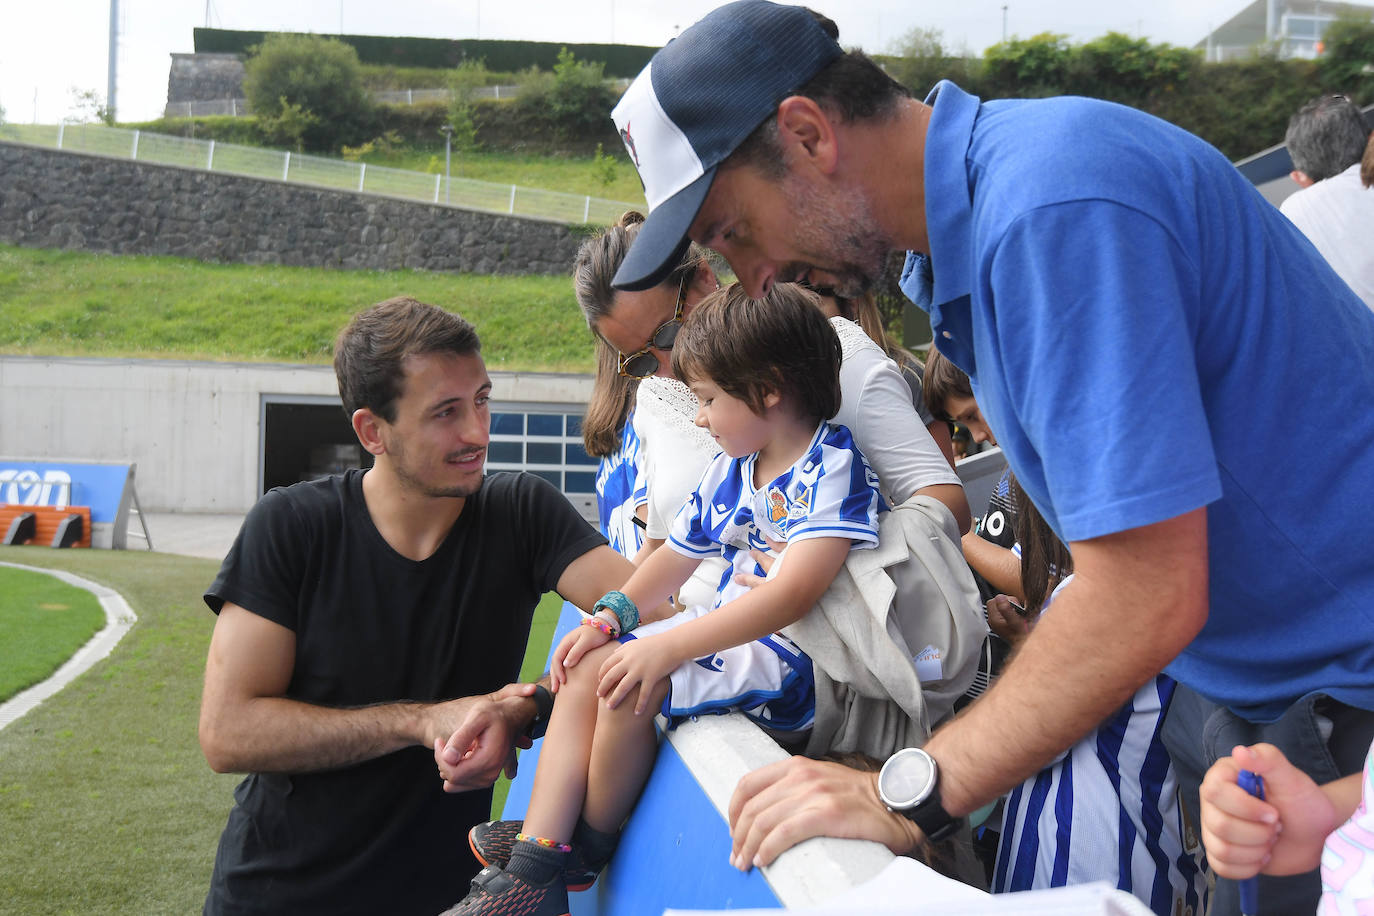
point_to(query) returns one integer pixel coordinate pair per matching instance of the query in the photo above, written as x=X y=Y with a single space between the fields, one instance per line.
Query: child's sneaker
x=496 y=892
x=493 y=841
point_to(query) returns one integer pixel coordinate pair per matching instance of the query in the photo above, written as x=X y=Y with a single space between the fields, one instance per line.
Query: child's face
x=965 y=412
x=737 y=429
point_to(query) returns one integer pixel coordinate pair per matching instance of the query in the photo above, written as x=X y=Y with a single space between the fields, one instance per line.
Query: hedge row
x=499 y=55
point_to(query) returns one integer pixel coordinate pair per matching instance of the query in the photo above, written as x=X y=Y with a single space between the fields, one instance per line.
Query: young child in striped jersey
x=1107 y=809
x=766 y=373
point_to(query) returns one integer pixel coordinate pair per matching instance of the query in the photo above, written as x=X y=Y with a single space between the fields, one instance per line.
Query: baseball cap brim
x=662 y=240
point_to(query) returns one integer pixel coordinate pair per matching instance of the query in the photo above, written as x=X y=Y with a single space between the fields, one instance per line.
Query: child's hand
x=577 y=643
x=1282 y=835
x=1006 y=621
x=765 y=562
x=640 y=661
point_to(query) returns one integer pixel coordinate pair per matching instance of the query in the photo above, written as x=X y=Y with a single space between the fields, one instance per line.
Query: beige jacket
x=910 y=597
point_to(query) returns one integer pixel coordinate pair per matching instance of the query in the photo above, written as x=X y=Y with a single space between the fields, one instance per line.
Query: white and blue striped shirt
x=1107 y=810
x=620 y=490
x=830 y=492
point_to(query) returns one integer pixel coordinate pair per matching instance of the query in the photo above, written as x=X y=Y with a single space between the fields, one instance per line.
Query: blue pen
x=1249 y=888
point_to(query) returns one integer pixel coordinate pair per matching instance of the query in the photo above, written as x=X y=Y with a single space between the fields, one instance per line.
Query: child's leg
x=622 y=756
x=560 y=782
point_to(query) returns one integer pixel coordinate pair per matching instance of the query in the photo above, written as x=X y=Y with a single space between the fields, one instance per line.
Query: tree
x=463 y=83
x=309 y=83
x=1128 y=70
x=88 y=106
x=919 y=60
x=1347 y=60
x=1027 y=68
x=573 y=101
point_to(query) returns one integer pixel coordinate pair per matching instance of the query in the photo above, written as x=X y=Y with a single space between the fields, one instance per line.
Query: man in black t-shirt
x=369 y=620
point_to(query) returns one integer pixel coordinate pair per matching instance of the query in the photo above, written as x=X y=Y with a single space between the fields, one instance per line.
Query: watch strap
x=543 y=709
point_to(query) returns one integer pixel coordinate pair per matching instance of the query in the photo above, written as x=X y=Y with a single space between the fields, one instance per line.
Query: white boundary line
x=119 y=618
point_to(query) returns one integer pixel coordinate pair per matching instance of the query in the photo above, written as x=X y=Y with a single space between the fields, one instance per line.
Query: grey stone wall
x=205 y=77
x=53 y=199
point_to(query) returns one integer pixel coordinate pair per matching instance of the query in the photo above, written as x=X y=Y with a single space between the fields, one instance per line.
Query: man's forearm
x=1130 y=609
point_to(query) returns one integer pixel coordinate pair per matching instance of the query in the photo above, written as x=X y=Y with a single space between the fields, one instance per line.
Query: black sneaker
x=493 y=841
x=496 y=892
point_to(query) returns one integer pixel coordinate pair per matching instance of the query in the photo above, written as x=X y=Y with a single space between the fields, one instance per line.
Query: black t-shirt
x=371 y=627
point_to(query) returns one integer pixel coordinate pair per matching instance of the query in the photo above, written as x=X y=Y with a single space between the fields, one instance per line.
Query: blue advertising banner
x=66 y=483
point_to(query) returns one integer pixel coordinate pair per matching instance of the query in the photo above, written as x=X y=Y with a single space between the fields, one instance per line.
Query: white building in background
x=1295 y=27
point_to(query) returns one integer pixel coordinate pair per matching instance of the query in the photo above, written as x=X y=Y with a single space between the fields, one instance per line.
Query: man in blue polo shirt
x=1151 y=340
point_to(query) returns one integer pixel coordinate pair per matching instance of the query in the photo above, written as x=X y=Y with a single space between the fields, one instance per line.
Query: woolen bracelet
x=596 y=623
x=543 y=709
x=619 y=604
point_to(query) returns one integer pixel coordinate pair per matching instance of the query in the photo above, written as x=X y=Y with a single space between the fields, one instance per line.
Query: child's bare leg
x=622 y=755
x=560 y=782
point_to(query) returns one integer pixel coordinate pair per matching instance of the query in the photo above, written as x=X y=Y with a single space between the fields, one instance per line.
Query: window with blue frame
x=546 y=442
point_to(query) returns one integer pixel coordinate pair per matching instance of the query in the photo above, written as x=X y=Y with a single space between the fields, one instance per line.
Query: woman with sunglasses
x=642 y=326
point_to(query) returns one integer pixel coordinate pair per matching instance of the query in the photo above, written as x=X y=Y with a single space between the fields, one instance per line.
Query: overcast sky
x=47 y=47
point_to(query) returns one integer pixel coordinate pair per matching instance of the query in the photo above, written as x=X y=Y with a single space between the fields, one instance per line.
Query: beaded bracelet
x=619 y=604
x=596 y=623
x=547 y=844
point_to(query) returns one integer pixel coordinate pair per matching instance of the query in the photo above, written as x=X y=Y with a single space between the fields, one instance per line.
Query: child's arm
x=650 y=586
x=1282 y=835
x=810 y=567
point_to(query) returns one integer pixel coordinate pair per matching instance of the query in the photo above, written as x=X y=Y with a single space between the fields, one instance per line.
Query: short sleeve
x=554 y=534
x=263 y=569
x=877 y=410
x=841 y=501
x=691 y=534
x=1098 y=401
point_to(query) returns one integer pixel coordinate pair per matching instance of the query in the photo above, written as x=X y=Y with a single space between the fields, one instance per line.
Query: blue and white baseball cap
x=696 y=101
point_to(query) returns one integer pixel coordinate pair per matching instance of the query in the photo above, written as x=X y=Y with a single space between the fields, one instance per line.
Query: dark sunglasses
x=643 y=363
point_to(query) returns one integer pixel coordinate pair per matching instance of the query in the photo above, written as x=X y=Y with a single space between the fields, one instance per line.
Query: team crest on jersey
x=777 y=506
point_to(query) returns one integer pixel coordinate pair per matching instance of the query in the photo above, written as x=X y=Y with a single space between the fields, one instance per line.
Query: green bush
x=308 y=89
x=572 y=101
x=1347 y=61
x=1129 y=70
x=509 y=56
x=1027 y=68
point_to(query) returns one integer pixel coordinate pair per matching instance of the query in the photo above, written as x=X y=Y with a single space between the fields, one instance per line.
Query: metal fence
x=318 y=171
x=239 y=107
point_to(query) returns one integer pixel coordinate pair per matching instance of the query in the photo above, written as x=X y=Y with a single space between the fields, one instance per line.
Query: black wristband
x=543 y=709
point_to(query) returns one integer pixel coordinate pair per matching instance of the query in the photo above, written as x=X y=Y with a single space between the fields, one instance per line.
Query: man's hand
x=484 y=732
x=776 y=807
x=1281 y=835
x=640 y=661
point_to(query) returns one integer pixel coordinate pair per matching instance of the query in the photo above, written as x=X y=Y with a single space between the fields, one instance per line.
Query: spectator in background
x=608 y=433
x=1335 y=209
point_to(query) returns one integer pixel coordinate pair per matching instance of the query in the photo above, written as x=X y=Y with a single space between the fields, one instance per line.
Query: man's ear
x=1301 y=178
x=367 y=426
x=804 y=128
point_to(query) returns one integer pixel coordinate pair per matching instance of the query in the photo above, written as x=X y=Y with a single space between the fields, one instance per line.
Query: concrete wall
x=205 y=77
x=194 y=429
x=54 y=199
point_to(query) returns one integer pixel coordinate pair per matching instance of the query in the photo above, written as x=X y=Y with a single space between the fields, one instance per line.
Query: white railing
x=239 y=107
x=318 y=171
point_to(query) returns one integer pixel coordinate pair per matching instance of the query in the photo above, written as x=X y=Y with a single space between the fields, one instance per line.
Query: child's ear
x=772 y=399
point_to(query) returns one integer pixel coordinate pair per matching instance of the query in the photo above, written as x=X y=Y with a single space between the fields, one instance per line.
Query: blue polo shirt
x=1147 y=335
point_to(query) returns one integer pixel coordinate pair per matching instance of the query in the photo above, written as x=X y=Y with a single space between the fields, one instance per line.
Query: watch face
x=906 y=778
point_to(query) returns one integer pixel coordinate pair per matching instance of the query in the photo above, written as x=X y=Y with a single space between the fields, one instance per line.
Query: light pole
x=447 y=131
x=1004 y=23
